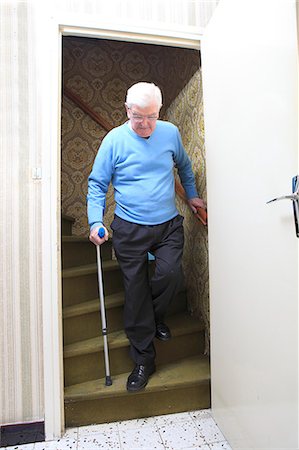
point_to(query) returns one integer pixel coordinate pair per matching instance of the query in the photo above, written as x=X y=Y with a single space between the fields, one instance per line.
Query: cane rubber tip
x=108 y=381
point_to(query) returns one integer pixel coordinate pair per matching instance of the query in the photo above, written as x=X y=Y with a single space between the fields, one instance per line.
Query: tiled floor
x=195 y=430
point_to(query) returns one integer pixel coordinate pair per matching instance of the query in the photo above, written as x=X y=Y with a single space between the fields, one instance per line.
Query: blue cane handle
x=101 y=232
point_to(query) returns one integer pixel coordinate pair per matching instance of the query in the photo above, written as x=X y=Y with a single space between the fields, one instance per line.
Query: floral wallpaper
x=100 y=72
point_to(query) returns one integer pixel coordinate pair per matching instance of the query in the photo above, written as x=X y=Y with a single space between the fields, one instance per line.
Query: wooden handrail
x=201 y=213
x=93 y=114
x=180 y=191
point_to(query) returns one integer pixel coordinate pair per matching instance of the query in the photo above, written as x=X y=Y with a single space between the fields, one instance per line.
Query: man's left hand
x=195 y=203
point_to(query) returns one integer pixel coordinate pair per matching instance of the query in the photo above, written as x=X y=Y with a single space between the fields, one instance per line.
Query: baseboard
x=22 y=433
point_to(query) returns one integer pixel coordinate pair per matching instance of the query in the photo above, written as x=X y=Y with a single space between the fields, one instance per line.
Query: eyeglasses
x=139 y=118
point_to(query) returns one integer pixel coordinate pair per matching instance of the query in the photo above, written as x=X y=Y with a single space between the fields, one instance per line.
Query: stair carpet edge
x=87 y=269
x=96 y=389
x=111 y=301
x=118 y=339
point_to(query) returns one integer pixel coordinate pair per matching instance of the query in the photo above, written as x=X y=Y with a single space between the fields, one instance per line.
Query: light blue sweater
x=141 y=171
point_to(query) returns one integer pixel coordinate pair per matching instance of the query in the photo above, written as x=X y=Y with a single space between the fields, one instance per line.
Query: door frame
x=50 y=81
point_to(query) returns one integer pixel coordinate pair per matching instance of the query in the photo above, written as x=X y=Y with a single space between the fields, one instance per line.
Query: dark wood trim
x=93 y=114
x=201 y=213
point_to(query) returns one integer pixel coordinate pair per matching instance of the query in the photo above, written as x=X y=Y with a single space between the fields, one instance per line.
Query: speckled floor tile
x=220 y=446
x=201 y=447
x=194 y=430
x=71 y=433
x=136 y=423
x=146 y=438
x=95 y=429
x=201 y=414
x=170 y=419
x=181 y=435
x=61 y=444
x=209 y=430
x=94 y=441
x=20 y=447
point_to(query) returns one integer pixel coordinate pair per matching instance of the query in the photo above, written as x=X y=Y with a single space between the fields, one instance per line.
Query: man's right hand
x=94 y=237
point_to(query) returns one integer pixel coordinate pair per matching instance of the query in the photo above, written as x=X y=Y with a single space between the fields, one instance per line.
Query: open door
x=249 y=57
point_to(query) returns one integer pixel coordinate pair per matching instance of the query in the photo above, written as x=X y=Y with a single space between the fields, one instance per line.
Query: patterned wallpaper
x=100 y=73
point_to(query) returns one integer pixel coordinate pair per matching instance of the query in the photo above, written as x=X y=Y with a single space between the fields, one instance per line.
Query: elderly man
x=139 y=157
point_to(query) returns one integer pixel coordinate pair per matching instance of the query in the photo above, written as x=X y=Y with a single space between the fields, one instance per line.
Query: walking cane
x=108 y=382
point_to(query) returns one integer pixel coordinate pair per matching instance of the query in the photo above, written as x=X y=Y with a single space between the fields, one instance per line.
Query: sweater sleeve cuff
x=97 y=224
x=191 y=192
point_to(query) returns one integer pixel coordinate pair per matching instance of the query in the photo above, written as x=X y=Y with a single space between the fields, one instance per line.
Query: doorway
x=98 y=73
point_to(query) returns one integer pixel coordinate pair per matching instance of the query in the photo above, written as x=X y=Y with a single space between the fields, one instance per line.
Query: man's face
x=143 y=120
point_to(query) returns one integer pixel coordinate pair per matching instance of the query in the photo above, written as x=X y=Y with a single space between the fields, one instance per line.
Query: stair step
x=82 y=321
x=87 y=269
x=179 y=324
x=78 y=250
x=111 y=301
x=81 y=283
x=168 y=376
x=176 y=387
x=66 y=224
x=84 y=361
x=71 y=238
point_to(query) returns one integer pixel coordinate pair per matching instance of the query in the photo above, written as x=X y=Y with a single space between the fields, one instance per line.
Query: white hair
x=142 y=94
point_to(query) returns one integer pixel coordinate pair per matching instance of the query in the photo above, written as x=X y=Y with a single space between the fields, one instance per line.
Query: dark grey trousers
x=147 y=299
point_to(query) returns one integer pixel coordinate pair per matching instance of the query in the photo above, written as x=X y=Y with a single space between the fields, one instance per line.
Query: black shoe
x=139 y=377
x=163 y=332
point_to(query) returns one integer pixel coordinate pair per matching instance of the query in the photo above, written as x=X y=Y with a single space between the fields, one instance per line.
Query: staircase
x=182 y=379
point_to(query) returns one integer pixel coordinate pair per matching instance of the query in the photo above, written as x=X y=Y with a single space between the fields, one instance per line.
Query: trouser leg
x=168 y=276
x=130 y=242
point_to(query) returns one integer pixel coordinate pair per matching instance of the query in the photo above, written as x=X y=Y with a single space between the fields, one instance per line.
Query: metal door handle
x=294 y=197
